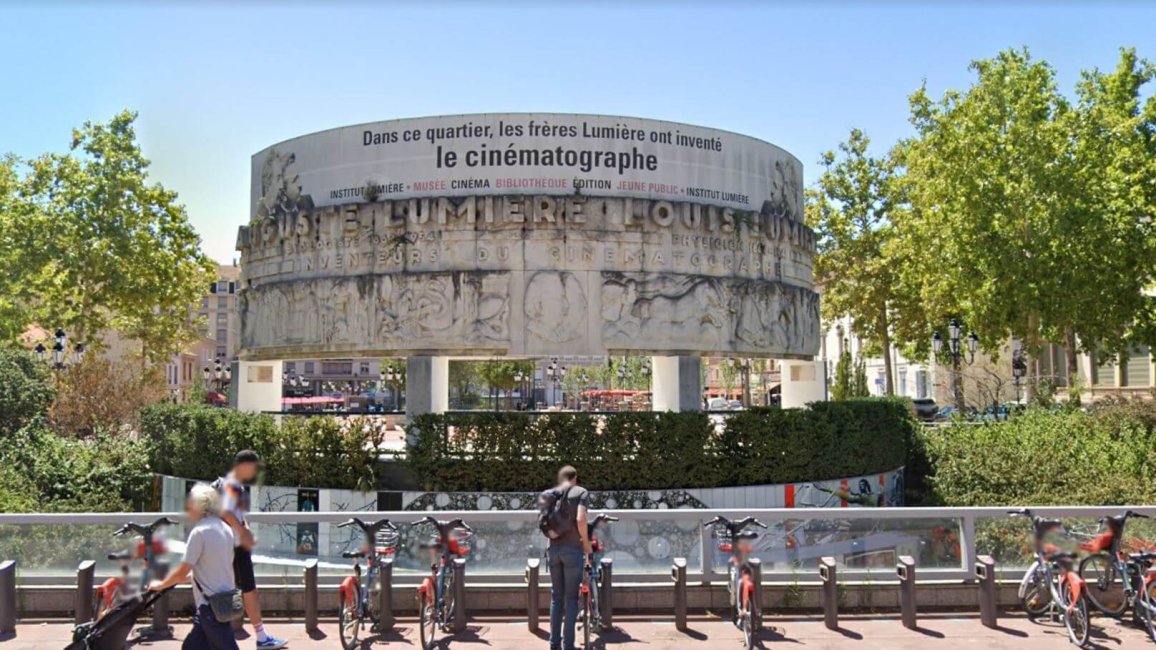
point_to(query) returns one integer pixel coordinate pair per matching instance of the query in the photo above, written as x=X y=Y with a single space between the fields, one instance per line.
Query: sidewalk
x=1016 y=633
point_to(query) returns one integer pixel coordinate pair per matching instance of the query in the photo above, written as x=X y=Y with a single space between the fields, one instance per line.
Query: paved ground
x=649 y=634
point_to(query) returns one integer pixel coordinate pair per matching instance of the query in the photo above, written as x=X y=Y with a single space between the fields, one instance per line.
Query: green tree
x=502 y=375
x=113 y=250
x=861 y=389
x=851 y=210
x=1030 y=218
x=26 y=389
x=843 y=386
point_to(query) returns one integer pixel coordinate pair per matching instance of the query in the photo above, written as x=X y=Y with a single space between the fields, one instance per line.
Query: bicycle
x=1051 y=583
x=435 y=596
x=1143 y=579
x=356 y=603
x=734 y=539
x=590 y=616
x=1105 y=568
x=116 y=590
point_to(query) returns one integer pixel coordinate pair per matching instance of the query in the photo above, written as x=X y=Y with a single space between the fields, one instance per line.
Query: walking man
x=234 y=506
x=209 y=560
x=562 y=518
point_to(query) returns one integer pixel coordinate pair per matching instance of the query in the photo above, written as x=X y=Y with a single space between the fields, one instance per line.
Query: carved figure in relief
x=685 y=308
x=555 y=306
x=487 y=310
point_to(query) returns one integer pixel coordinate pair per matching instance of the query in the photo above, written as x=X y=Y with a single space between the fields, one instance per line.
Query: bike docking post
x=830 y=592
x=757 y=577
x=85 y=582
x=159 y=628
x=605 y=595
x=906 y=570
x=459 y=594
x=678 y=573
x=533 y=570
x=385 y=595
x=311 y=596
x=988 y=604
x=8 y=597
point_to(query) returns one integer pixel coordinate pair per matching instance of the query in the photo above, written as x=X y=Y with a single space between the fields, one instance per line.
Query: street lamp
x=1019 y=370
x=58 y=359
x=956 y=354
x=393 y=376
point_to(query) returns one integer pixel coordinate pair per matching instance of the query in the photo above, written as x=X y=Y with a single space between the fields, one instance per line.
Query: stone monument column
x=258 y=386
x=803 y=382
x=427 y=385
x=676 y=383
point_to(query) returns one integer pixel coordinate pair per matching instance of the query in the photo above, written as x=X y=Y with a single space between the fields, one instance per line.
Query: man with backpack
x=562 y=518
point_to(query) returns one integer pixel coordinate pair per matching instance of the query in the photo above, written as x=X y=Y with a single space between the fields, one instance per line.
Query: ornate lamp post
x=956 y=355
x=58 y=359
x=1019 y=370
x=520 y=378
x=220 y=375
x=392 y=377
x=556 y=374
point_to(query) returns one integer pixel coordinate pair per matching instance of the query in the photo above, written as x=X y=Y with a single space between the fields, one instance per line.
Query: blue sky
x=216 y=82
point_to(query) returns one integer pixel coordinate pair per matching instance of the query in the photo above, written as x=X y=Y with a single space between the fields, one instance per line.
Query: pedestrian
x=234 y=507
x=562 y=518
x=209 y=558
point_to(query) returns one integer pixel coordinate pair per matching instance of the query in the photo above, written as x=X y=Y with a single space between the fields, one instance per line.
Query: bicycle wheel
x=1076 y=620
x=349 y=619
x=1145 y=602
x=747 y=624
x=1105 y=584
x=1035 y=596
x=587 y=621
x=101 y=605
x=449 y=607
x=428 y=627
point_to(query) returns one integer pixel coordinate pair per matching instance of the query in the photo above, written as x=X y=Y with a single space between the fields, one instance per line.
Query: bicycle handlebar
x=147 y=529
x=734 y=526
x=369 y=527
x=444 y=527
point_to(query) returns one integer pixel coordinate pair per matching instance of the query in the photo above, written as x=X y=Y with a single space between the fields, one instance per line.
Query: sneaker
x=271 y=643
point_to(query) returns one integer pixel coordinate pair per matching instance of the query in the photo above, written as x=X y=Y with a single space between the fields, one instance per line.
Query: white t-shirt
x=210 y=552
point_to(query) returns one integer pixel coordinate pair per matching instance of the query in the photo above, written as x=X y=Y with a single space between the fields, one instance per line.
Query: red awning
x=321 y=399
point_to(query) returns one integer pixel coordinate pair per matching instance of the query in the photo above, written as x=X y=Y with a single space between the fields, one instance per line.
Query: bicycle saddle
x=1142 y=557
x=1063 y=557
x=349 y=555
x=120 y=556
x=747 y=534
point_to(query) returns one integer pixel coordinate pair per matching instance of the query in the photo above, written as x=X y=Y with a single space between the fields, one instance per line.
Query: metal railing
x=790 y=550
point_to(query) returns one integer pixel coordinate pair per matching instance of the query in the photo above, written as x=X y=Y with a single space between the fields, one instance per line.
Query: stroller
x=111 y=632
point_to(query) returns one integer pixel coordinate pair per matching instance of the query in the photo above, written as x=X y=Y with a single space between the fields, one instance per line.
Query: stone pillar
x=676 y=383
x=258 y=386
x=803 y=382
x=427 y=385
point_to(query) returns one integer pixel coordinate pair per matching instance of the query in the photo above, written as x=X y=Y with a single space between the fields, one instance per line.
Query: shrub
x=1105 y=457
x=103 y=473
x=26 y=389
x=623 y=451
x=100 y=394
x=199 y=441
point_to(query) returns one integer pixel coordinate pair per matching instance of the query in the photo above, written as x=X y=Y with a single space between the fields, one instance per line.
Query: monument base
x=676 y=384
x=258 y=386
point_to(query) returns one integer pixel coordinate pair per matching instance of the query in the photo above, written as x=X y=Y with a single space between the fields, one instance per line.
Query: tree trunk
x=1072 y=359
x=888 y=369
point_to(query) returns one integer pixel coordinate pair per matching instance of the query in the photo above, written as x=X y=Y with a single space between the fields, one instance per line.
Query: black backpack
x=554 y=516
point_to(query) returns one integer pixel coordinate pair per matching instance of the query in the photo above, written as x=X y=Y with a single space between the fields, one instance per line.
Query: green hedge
x=195 y=441
x=622 y=451
x=1103 y=457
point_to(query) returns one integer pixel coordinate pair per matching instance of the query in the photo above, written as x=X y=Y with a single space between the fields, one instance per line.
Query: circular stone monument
x=526 y=234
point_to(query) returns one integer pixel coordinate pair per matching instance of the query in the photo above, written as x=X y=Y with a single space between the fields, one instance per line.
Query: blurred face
x=191 y=509
x=245 y=472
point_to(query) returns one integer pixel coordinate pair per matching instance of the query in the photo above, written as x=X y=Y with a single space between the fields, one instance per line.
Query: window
x=222 y=352
x=337 y=367
x=204 y=303
x=363 y=369
x=922 y=383
x=222 y=335
x=309 y=367
x=222 y=302
x=222 y=287
x=291 y=367
x=902 y=381
x=222 y=319
x=1137 y=368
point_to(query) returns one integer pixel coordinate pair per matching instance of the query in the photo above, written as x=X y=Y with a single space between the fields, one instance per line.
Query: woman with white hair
x=209 y=559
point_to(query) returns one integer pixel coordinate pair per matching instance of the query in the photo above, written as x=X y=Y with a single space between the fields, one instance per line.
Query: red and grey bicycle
x=733 y=538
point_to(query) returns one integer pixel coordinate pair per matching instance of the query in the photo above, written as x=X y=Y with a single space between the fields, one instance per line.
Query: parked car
x=925 y=408
x=716 y=404
x=735 y=405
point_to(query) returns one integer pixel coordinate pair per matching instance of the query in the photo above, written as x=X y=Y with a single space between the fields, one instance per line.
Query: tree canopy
x=90 y=244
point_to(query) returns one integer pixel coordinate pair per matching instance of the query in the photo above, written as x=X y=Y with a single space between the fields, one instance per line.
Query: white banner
x=527 y=153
